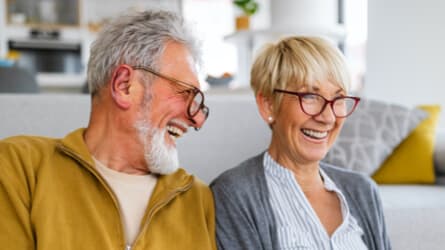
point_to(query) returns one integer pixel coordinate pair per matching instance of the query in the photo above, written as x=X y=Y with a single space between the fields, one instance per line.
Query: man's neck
x=116 y=150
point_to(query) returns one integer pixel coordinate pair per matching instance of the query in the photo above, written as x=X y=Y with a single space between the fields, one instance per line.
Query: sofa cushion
x=415 y=215
x=412 y=161
x=52 y=115
x=371 y=133
x=233 y=133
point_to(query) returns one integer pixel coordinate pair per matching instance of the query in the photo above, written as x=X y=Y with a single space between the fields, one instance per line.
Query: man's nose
x=199 y=119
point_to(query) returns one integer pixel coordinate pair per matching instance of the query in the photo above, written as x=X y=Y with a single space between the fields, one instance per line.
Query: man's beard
x=159 y=157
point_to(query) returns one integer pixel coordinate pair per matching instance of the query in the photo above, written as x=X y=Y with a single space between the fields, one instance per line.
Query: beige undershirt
x=133 y=193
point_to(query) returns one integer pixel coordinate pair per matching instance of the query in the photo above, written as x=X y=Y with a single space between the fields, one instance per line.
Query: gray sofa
x=415 y=214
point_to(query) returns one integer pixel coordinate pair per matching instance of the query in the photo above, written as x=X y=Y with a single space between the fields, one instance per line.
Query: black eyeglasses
x=314 y=104
x=196 y=97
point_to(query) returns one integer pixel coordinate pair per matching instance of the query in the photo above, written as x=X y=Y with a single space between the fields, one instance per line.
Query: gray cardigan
x=245 y=220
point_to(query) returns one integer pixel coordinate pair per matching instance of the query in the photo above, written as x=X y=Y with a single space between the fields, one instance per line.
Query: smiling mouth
x=315 y=134
x=174 y=132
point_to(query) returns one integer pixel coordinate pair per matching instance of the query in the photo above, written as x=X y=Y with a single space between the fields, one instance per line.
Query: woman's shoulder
x=244 y=174
x=349 y=179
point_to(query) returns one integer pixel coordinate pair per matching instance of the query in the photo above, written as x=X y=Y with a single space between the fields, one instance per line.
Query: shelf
x=55 y=44
x=336 y=32
x=247 y=40
x=48 y=13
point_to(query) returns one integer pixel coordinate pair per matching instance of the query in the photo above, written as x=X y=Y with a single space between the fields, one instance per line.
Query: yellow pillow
x=412 y=161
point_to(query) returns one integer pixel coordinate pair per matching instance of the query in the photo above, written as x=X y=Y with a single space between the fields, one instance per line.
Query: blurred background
x=394 y=48
x=51 y=38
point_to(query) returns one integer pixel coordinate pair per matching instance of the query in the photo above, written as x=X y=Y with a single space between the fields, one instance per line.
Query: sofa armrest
x=439 y=151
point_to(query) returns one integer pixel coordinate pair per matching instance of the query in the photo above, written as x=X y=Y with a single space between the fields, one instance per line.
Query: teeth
x=315 y=134
x=174 y=132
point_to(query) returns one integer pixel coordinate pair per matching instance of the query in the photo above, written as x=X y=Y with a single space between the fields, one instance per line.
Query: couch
x=415 y=214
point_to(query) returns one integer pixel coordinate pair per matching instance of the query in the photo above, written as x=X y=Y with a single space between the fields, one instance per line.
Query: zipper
x=159 y=205
x=104 y=184
x=151 y=213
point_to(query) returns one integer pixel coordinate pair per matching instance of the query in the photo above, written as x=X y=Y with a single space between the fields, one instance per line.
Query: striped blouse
x=297 y=223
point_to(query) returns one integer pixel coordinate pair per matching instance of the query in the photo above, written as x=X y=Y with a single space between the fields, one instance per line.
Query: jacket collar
x=75 y=147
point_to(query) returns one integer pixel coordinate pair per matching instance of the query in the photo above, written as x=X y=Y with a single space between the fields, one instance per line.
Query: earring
x=270 y=119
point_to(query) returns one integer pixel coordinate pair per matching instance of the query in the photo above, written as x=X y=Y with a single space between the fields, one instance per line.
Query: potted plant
x=247 y=8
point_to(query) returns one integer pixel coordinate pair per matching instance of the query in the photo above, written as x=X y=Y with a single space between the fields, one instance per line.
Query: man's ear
x=120 y=86
x=265 y=106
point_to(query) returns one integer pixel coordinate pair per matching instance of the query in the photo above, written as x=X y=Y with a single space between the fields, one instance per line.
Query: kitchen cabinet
x=53 y=37
x=43 y=12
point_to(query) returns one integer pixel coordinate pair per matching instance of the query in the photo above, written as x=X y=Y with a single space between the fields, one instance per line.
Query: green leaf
x=249 y=7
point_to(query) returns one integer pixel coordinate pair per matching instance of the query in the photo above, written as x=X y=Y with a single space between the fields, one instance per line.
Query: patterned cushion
x=412 y=161
x=371 y=133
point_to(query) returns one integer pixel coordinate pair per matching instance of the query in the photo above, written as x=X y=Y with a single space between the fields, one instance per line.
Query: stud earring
x=270 y=119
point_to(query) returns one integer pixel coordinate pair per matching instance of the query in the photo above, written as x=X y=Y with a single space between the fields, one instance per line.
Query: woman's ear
x=120 y=86
x=265 y=106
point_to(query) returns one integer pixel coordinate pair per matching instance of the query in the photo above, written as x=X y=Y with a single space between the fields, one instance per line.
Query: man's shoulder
x=191 y=188
x=181 y=178
x=26 y=143
x=199 y=184
x=22 y=156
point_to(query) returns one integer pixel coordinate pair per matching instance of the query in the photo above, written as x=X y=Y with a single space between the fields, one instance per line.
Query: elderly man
x=116 y=184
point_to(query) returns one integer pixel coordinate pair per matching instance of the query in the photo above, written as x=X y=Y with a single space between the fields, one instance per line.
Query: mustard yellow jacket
x=52 y=197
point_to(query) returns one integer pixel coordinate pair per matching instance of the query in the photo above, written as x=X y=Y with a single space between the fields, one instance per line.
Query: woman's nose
x=327 y=115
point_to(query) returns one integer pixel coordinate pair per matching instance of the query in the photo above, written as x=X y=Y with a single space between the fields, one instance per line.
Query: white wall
x=406 y=52
x=2 y=30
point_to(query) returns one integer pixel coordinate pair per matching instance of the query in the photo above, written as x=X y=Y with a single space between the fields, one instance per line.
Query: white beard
x=160 y=158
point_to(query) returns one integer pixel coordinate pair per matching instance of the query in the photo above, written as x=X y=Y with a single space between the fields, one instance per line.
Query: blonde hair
x=297 y=61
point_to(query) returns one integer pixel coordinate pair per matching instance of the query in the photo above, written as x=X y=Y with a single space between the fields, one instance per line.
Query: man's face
x=162 y=117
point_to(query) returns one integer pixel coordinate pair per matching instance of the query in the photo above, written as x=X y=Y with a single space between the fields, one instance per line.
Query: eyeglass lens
x=197 y=104
x=313 y=105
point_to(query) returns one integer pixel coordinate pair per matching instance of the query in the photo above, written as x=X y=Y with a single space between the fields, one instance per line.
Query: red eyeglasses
x=314 y=104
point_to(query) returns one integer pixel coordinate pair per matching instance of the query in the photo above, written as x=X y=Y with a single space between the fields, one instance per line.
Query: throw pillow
x=371 y=133
x=412 y=161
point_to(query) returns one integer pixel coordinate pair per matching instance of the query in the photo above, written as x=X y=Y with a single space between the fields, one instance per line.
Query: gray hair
x=136 y=39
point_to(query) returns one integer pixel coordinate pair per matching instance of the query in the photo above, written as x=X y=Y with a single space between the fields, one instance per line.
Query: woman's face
x=301 y=138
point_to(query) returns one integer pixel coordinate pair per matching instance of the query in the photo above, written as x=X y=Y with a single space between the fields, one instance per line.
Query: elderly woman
x=286 y=198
